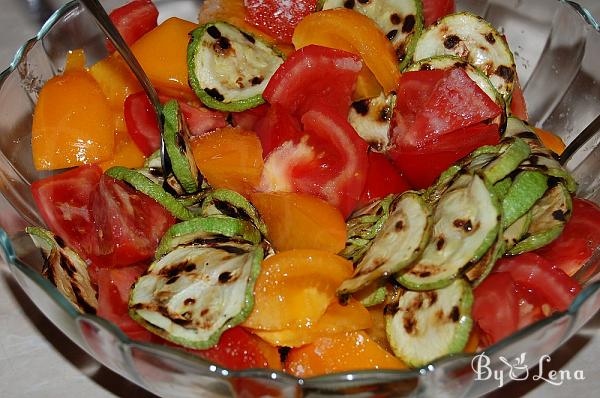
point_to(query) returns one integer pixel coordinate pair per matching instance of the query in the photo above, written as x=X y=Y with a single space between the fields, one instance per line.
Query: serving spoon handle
x=110 y=30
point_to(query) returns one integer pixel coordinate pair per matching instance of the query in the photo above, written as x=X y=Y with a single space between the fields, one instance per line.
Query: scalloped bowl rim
x=349 y=378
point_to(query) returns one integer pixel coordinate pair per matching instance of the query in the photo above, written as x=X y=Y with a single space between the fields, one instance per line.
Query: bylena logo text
x=518 y=370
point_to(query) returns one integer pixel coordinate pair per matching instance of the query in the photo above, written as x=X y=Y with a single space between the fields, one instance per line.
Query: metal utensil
x=110 y=30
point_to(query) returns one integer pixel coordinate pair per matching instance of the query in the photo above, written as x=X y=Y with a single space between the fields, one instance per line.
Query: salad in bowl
x=353 y=197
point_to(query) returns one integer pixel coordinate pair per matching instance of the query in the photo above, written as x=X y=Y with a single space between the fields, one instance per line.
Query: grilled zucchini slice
x=423 y=326
x=207 y=230
x=232 y=204
x=400 y=20
x=400 y=241
x=466 y=224
x=371 y=119
x=229 y=68
x=177 y=144
x=143 y=184
x=548 y=218
x=472 y=38
x=194 y=293
x=65 y=269
x=363 y=225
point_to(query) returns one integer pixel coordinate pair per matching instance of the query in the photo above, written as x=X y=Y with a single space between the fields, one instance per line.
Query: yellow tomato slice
x=295 y=288
x=351 y=31
x=550 y=140
x=72 y=123
x=162 y=52
x=339 y=353
x=337 y=319
x=300 y=221
x=230 y=158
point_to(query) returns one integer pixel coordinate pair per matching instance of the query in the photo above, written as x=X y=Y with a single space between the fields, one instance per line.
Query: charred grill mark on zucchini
x=65 y=269
x=400 y=20
x=229 y=68
x=472 y=38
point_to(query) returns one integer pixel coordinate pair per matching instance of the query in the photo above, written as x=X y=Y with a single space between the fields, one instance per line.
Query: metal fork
x=109 y=29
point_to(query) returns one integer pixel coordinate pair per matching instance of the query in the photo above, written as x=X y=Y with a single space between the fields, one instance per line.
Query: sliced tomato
x=496 y=307
x=518 y=106
x=436 y=9
x=142 y=123
x=530 y=306
x=238 y=349
x=129 y=224
x=248 y=118
x=548 y=281
x=312 y=77
x=579 y=239
x=200 y=120
x=422 y=166
x=278 y=18
x=114 y=285
x=63 y=203
x=276 y=127
x=382 y=179
x=133 y=20
x=428 y=110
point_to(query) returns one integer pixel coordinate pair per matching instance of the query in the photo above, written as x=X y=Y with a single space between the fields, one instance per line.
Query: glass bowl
x=557 y=49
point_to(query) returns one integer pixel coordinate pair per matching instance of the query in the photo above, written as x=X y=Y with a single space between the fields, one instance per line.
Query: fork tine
x=591 y=130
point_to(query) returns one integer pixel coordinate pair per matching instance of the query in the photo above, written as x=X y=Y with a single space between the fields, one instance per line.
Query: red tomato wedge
x=421 y=167
x=427 y=109
x=436 y=9
x=114 y=285
x=328 y=160
x=278 y=18
x=142 y=124
x=382 y=179
x=63 y=203
x=546 y=280
x=518 y=106
x=578 y=240
x=129 y=223
x=248 y=118
x=312 y=77
x=133 y=20
x=496 y=307
x=276 y=127
x=238 y=349
x=200 y=120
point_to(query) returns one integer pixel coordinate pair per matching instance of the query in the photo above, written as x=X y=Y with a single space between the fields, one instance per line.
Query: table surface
x=37 y=360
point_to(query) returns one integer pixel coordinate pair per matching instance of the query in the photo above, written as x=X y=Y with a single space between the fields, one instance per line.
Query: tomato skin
x=238 y=349
x=142 y=123
x=428 y=109
x=346 y=150
x=312 y=77
x=129 y=224
x=382 y=179
x=547 y=281
x=436 y=9
x=421 y=167
x=276 y=127
x=133 y=20
x=114 y=285
x=250 y=117
x=496 y=307
x=63 y=203
x=518 y=106
x=578 y=240
x=278 y=18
